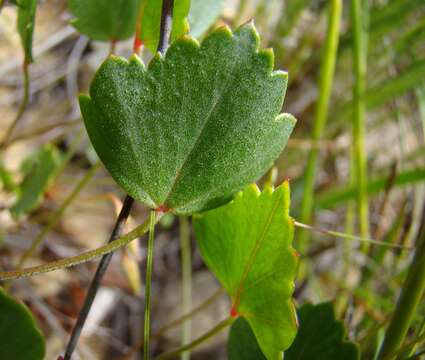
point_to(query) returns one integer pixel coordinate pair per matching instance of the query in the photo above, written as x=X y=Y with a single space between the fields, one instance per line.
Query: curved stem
x=79 y=259
x=149 y=266
x=214 y=331
x=95 y=284
x=22 y=106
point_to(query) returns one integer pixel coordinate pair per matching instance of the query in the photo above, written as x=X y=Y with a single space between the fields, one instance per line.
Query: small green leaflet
x=26 y=23
x=40 y=170
x=203 y=14
x=20 y=339
x=247 y=244
x=150 y=20
x=321 y=336
x=193 y=128
x=105 y=20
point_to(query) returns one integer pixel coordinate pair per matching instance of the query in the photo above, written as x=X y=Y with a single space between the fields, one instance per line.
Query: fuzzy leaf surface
x=321 y=336
x=150 y=21
x=20 y=339
x=26 y=23
x=247 y=244
x=193 y=128
x=105 y=20
x=40 y=170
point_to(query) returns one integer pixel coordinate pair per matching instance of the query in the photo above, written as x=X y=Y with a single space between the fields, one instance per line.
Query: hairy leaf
x=196 y=126
x=150 y=21
x=26 y=23
x=321 y=336
x=20 y=338
x=105 y=20
x=247 y=244
x=39 y=173
x=203 y=14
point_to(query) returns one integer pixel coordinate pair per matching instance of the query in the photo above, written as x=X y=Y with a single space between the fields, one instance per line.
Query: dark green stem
x=410 y=297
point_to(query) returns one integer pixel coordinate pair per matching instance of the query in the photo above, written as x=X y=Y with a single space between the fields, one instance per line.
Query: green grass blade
x=321 y=115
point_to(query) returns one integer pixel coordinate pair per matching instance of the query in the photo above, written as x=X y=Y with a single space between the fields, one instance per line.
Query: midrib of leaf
x=208 y=117
x=261 y=279
x=253 y=255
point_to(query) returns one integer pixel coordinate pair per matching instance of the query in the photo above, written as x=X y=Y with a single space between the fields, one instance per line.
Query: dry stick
x=165 y=31
x=22 y=106
x=95 y=284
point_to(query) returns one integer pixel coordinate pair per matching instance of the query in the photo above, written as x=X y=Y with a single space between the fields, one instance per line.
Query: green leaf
x=321 y=336
x=242 y=344
x=247 y=244
x=26 y=23
x=150 y=21
x=38 y=177
x=203 y=14
x=196 y=126
x=20 y=339
x=105 y=20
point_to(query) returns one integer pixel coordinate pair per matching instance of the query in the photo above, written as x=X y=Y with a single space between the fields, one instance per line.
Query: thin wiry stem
x=148 y=283
x=95 y=284
x=186 y=266
x=351 y=237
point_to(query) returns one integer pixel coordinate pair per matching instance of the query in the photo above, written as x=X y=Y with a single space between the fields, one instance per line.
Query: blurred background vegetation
x=56 y=200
